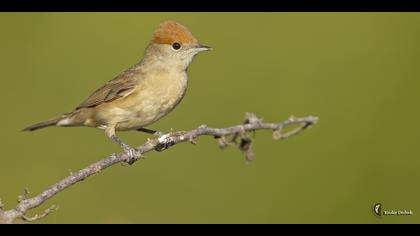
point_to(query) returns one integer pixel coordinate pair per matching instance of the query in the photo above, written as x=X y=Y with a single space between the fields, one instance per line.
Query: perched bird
x=142 y=94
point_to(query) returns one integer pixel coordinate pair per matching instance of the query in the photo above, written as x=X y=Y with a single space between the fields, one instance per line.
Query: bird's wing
x=120 y=86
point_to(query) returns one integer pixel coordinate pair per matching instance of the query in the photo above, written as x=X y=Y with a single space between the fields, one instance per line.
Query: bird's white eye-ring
x=176 y=45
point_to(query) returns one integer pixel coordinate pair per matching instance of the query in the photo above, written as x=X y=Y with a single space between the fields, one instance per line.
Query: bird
x=142 y=94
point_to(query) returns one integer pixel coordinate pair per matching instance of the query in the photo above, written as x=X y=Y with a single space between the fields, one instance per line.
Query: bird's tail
x=44 y=124
x=48 y=123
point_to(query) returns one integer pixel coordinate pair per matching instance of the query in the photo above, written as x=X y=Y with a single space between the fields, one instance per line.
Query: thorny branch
x=251 y=124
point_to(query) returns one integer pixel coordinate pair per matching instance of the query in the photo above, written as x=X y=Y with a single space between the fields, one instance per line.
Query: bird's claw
x=132 y=154
x=158 y=134
x=164 y=142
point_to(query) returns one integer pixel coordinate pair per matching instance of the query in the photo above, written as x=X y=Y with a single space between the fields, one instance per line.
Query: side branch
x=252 y=123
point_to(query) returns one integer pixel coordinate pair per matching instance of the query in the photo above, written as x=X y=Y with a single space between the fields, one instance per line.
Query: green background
x=359 y=72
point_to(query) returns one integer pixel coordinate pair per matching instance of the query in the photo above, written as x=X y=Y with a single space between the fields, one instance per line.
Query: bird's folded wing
x=120 y=86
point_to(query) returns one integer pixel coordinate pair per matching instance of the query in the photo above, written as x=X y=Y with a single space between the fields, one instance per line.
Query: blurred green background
x=359 y=72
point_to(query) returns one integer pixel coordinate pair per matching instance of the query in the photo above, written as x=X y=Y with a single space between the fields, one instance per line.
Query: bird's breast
x=153 y=98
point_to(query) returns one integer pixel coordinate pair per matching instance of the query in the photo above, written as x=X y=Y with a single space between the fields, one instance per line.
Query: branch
x=252 y=123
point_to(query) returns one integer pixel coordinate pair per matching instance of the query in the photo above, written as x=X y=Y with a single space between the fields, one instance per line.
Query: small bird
x=142 y=94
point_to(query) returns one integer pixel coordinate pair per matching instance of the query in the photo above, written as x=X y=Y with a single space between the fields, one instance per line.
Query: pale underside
x=131 y=100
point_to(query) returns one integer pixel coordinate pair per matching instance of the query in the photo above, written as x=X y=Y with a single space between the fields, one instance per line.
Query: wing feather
x=120 y=86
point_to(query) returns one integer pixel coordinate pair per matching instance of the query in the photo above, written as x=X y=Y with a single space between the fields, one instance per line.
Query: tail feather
x=44 y=124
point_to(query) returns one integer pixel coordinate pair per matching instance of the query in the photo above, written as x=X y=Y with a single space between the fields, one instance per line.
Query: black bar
x=208 y=5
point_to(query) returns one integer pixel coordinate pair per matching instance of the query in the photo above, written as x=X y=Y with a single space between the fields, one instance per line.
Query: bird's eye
x=176 y=46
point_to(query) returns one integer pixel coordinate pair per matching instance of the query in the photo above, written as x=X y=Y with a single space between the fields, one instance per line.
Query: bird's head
x=173 y=45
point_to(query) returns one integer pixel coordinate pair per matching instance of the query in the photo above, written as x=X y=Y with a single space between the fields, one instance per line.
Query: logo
x=377 y=209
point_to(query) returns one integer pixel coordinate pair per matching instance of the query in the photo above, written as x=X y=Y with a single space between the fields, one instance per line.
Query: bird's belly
x=146 y=112
x=145 y=106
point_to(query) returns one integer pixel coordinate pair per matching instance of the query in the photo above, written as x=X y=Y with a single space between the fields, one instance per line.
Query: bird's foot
x=132 y=154
x=158 y=134
x=164 y=142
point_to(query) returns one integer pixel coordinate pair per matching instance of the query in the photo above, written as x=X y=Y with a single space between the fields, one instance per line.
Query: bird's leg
x=129 y=151
x=150 y=131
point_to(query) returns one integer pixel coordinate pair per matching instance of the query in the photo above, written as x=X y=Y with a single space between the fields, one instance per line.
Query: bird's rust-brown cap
x=170 y=32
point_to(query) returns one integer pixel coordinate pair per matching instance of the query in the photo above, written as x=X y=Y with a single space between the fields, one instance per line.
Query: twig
x=160 y=144
x=50 y=210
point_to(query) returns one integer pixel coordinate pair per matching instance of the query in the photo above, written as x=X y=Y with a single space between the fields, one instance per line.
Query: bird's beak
x=201 y=48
